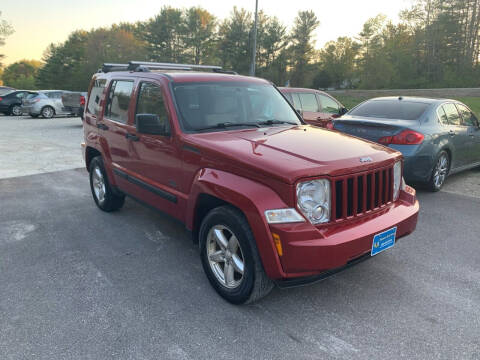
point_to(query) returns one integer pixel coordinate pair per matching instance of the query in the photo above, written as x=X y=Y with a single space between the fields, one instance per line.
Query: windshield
x=390 y=109
x=221 y=105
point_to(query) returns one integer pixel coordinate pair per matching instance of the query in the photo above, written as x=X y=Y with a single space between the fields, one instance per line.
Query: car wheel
x=230 y=258
x=103 y=194
x=48 y=112
x=16 y=110
x=439 y=172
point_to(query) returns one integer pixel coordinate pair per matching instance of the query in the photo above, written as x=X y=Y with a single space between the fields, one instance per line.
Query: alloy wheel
x=225 y=256
x=441 y=170
x=47 y=112
x=16 y=110
x=98 y=184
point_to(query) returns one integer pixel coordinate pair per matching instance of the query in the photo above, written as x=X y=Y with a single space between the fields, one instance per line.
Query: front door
x=155 y=161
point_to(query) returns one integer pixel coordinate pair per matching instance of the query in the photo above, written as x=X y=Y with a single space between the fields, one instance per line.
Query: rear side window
x=442 y=116
x=391 y=109
x=329 y=105
x=93 y=106
x=309 y=102
x=150 y=101
x=118 y=100
x=452 y=114
x=469 y=119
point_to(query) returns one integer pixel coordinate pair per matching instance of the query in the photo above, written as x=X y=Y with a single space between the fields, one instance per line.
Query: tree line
x=435 y=44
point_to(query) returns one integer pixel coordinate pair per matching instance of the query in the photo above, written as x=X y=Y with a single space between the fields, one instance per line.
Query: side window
x=20 y=95
x=118 y=100
x=468 y=117
x=329 y=105
x=296 y=101
x=150 y=101
x=452 y=114
x=93 y=106
x=309 y=102
x=442 y=116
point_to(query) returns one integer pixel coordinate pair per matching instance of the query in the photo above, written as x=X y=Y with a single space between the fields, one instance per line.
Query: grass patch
x=351 y=101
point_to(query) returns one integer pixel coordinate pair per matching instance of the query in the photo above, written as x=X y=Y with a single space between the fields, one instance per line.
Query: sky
x=38 y=23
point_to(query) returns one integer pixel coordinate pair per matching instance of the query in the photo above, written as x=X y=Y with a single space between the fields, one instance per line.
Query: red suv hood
x=292 y=153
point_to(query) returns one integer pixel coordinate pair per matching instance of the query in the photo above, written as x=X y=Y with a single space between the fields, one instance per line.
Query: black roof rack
x=144 y=66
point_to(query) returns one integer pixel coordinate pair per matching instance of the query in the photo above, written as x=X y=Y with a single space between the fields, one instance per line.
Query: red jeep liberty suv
x=269 y=199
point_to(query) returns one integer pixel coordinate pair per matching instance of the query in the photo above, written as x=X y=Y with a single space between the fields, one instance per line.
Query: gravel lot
x=80 y=283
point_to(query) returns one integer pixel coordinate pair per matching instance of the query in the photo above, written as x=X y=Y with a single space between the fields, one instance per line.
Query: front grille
x=354 y=195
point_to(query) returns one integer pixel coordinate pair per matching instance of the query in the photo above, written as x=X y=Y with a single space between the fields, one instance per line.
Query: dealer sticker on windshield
x=383 y=241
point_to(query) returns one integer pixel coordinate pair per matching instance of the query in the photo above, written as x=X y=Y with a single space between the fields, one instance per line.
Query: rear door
x=114 y=127
x=470 y=121
x=311 y=108
x=458 y=135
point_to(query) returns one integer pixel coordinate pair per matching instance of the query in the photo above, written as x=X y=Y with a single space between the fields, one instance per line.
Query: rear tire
x=103 y=194
x=230 y=258
x=440 y=172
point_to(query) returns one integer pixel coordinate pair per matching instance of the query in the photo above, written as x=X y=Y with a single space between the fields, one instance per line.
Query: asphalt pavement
x=77 y=283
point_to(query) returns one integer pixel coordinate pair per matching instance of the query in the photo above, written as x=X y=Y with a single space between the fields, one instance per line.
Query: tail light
x=1 y=99
x=35 y=100
x=82 y=100
x=329 y=125
x=406 y=137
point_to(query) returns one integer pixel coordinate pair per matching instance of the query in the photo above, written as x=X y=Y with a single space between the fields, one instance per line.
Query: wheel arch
x=90 y=153
x=212 y=188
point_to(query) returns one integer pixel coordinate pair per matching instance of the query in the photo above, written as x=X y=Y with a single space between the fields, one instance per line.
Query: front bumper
x=310 y=251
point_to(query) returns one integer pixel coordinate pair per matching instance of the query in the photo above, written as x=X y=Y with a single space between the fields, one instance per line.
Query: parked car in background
x=5 y=89
x=46 y=103
x=316 y=107
x=74 y=102
x=11 y=101
x=437 y=137
x=269 y=199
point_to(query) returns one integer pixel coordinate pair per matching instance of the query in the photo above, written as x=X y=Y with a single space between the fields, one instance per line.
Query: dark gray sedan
x=437 y=137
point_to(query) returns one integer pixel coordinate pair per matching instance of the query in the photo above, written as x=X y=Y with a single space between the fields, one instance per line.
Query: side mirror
x=343 y=111
x=151 y=124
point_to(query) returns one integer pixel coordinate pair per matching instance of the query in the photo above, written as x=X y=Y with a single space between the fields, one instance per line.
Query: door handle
x=102 y=126
x=132 y=137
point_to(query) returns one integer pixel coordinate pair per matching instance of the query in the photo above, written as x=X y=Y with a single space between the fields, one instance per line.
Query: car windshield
x=225 y=105
x=390 y=109
x=32 y=95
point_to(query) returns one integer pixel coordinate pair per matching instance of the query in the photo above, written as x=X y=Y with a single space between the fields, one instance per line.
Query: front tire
x=103 y=194
x=48 y=112
x=439 y=172
x=230 y=258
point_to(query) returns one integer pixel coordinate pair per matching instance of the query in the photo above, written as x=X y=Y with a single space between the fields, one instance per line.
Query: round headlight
x=313 y=200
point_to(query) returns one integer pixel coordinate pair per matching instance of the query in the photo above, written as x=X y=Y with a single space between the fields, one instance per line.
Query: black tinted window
x=452 y=114
x=309 y=102
x=391 y=109
x=93 y=106
x=150 y=101
x=468 y=117
x=118 y=101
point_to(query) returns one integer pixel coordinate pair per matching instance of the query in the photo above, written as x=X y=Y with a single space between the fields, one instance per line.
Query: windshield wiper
x=225 y=125
x=274 y=121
